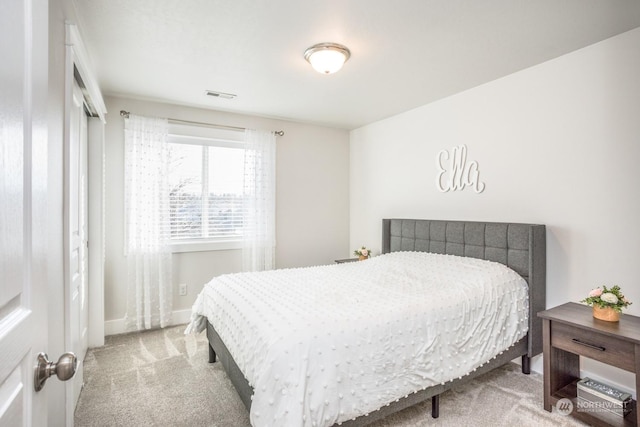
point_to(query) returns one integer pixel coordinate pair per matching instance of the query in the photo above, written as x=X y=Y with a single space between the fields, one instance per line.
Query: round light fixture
x=327 y=58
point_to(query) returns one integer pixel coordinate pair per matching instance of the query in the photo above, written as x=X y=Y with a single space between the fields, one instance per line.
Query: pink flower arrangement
x=607 y=298
x=362 y=252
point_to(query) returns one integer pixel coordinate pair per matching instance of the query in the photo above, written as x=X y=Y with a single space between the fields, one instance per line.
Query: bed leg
x=435 y=406
x=526 y=364
x=212 y=355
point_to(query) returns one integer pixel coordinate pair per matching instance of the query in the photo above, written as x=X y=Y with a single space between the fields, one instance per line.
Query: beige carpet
x=162 y=378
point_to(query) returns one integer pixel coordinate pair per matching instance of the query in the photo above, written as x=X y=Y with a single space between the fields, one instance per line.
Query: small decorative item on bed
x=362 y=253
x=607 y=303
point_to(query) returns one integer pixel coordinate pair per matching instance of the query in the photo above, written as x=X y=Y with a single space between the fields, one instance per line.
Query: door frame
x=77 y=59
x=76 y=56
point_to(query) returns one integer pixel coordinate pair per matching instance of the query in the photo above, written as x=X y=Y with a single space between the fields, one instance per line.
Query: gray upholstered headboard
x=522 y=247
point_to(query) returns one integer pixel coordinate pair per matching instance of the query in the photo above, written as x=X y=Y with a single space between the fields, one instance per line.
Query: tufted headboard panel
x=522 y=247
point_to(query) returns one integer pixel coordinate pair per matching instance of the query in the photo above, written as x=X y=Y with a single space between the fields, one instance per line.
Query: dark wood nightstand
x=342 y=261
x=570 y=331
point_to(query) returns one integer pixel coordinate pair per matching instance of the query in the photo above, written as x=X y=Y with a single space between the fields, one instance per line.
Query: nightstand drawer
x=593 y=345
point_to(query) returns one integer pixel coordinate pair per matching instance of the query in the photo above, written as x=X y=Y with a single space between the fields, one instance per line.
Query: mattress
x=322 y=345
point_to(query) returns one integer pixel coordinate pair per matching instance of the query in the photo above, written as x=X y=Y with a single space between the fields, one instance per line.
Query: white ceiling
x=404 y=53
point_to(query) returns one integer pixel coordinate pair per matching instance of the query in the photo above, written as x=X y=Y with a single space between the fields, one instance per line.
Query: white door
x=76 y=243
x=23 y=205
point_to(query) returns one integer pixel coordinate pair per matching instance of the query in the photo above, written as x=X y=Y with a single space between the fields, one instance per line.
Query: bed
x=521 y=247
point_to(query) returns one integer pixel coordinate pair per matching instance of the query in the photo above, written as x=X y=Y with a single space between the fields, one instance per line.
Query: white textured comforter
x=322 y=345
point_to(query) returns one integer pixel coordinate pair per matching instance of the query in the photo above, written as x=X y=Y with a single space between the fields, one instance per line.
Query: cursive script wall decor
x=454 y=173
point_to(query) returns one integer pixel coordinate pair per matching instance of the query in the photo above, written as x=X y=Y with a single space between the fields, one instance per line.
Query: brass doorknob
x=64 y=368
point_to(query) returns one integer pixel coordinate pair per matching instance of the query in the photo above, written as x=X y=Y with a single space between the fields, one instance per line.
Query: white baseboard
x=116 y=327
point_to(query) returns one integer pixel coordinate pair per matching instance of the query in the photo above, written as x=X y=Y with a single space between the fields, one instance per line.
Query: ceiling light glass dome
x=327 y=58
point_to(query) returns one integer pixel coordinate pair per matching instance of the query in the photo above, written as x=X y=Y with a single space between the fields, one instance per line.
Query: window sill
x=199 y=246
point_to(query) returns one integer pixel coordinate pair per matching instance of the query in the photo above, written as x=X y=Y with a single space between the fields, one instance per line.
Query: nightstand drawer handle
x=586 y=344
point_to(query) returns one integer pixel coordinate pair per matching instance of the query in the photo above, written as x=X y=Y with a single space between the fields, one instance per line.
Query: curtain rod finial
x=124 y=114
x=279 y=132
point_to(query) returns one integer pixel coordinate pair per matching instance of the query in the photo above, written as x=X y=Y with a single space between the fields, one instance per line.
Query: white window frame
x=206 y=137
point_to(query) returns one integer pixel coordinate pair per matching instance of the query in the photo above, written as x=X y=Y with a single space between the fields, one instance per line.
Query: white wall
x=312 y=203
x=557 y=144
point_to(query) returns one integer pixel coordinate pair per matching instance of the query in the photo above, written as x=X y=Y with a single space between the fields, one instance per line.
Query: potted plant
x=607 y=303
x=362 y=253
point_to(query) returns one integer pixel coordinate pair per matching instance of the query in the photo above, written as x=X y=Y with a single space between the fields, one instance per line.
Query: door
x=23 y=206
x=76 y=227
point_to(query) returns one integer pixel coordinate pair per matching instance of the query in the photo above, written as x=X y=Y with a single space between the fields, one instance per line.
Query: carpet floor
x=162 y=378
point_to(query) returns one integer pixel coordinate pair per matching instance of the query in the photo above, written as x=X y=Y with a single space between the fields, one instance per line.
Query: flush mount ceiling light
x=327 y=58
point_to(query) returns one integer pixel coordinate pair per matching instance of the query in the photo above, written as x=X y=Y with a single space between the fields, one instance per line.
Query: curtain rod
x=125 y=114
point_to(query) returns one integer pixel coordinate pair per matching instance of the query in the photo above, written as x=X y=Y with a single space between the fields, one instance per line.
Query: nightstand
x=570 y=331
x=342 y=261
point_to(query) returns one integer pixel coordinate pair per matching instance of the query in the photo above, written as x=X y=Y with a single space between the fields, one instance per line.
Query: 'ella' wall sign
x=454 y=173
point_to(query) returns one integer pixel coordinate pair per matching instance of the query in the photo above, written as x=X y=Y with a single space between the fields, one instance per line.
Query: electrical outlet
x=182 y=289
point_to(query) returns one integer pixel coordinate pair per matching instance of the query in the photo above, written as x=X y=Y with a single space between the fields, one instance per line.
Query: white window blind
x=206 y=180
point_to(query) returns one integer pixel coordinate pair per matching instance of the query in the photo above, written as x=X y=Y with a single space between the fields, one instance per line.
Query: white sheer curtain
x=147 y=227
x=258 y=250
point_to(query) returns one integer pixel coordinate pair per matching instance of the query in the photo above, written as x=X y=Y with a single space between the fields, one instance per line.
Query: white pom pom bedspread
x=323 y=345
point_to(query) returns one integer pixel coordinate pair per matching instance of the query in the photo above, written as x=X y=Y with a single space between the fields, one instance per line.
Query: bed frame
x=522 y=247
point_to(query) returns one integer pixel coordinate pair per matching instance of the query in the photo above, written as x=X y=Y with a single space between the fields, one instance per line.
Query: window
x=206 y=188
